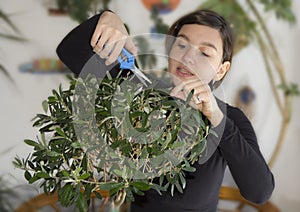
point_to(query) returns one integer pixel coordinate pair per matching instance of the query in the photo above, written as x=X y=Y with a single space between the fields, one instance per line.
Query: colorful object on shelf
x=245 y=100
x=44 y=66
x=163 y=6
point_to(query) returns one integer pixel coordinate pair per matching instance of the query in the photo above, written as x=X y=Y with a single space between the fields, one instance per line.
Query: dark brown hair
x=207 y=18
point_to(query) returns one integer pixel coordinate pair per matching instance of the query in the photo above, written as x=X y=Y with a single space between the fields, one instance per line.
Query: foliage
x=290 y=89
x=9 y=36
x=243 y=26
x=146 y=57
x=122 y=143
x=80 y=10
x=159 y=25
x=281 y=8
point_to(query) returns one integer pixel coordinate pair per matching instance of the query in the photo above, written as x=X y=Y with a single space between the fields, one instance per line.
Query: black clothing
x=236 y=147
x=239 y=150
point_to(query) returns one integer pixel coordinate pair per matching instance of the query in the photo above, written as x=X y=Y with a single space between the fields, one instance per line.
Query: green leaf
x=45 y=106
x=143 y=186
x=84 y=176
x=60 y=132
x=76 y=145
x=33 y=143
x=27 y=175
x=110 y=185
x=30 y=164
x=66 y=195
x=182 y=180
x=177 y=145
x=65 y=173
x=171 y=158
x=118 y=172
x=52 y=154
x=33 y=179
x=43 y=175
x=189 y=169
x=81 y=203
x=158 y=188
x=129 y=195
x=178 y=187
x=172 y=190
x=84 y=163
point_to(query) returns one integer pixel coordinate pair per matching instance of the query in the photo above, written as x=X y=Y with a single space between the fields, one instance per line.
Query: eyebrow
x=203 y=43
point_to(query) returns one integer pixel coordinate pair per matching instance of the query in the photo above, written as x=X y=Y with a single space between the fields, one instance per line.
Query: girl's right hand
x=111 y=33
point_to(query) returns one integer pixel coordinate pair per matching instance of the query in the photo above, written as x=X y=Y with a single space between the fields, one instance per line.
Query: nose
x=189 y=56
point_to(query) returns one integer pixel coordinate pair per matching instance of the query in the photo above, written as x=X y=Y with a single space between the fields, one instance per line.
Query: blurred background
x=263 y=79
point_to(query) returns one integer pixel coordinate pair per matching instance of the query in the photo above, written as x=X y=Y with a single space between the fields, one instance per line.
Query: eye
x=181 y=46
x=204 y=54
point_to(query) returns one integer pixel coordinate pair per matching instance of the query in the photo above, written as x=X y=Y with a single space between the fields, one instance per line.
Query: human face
x=197 y=52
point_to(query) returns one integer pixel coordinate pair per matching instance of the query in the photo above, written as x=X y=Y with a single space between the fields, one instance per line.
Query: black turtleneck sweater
x=236 y=146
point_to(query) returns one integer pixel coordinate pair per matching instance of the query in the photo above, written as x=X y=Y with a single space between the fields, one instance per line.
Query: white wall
x=20 y=102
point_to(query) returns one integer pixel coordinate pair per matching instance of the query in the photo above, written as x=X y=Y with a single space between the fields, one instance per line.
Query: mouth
x=183 y=72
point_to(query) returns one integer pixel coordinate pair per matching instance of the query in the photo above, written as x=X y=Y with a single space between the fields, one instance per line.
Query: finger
x=183 y=86
x=198 y=98
x=106 y=51
x=102 y=42
x=96 y=36
x=178 y=88
x=180 y=95
x=95 y=39
x=197 y=86
x=115 y=52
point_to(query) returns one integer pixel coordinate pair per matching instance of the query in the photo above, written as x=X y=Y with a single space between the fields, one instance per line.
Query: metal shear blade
x=126 y=60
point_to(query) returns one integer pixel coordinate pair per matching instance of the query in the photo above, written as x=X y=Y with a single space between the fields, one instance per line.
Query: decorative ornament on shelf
x=163 y=6
x=44 y=66
x=115 y=147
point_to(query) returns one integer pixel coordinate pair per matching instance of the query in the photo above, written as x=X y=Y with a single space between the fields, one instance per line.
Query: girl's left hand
x=203 y=99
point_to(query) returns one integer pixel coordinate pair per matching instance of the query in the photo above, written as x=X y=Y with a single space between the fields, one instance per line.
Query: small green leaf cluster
x=281 y=8
x=113 y=136
x=290 y=89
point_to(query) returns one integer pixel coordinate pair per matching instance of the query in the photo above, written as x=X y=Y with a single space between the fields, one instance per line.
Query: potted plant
x=112 y=139
x=78 y=10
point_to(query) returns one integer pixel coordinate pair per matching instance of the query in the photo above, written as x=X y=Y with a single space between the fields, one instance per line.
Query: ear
x=223 y=69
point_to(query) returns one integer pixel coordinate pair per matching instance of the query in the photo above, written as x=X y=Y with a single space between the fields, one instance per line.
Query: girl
x=202 y=36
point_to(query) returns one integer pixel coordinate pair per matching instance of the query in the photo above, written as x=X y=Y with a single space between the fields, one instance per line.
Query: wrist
x=216 y=118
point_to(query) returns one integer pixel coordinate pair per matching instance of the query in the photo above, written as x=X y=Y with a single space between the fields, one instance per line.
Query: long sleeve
x=240 y=150
x=75 y=49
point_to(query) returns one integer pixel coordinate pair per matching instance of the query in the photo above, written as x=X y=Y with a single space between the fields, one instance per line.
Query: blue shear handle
x=126 y=59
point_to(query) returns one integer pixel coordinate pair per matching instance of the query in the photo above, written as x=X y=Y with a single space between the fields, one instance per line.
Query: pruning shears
x=126 y=60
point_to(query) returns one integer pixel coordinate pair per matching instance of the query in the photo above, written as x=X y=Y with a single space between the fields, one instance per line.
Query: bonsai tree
x=112 y=139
